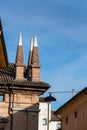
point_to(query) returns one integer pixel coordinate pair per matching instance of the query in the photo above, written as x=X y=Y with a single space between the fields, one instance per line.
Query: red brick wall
x=35 y=74
x=19 y=72
x=25 y=119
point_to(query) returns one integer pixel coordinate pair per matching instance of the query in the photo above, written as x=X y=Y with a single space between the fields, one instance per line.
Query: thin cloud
x=61 y=27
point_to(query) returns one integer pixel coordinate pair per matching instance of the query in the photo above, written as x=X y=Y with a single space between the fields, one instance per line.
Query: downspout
x=27 y=119
x=10 y=106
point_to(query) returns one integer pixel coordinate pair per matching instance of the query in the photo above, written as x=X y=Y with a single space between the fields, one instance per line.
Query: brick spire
x=19 y=60
x=19 y=55
x=35 y=56
x=30 y=52
x=35 y=65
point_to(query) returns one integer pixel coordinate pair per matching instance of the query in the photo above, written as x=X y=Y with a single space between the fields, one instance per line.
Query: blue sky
x=61 y=27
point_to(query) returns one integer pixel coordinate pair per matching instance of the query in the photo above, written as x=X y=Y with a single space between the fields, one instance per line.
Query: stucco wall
x=43 y=114
x=74 y=122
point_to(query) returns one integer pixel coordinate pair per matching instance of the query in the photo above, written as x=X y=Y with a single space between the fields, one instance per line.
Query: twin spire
x=33 y=54
x=33 y=60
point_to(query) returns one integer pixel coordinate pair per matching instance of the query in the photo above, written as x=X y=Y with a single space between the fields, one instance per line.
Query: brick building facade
x=20 y=88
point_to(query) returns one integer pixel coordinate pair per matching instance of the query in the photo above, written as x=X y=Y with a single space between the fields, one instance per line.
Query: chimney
x=35 y=65
x=19 y=60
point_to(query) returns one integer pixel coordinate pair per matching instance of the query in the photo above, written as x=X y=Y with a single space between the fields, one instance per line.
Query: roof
x=3 y=120
x=41 y=99
x=3 y=52
x=7 y=78
x=54 y=117
x=82 y=92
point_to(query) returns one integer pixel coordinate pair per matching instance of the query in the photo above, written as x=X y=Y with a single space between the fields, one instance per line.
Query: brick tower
x=19 y=60
x=33 y=61
x=20 y=88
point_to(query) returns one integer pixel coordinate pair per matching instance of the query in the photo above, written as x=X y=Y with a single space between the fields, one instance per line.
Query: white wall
x=43 y=114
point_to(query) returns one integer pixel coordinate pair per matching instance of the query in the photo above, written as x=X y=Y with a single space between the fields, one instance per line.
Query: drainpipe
x=27 y=119
x=10 y=106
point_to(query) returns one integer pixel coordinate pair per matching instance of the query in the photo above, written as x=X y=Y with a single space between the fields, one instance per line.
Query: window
x=1 y=97
x=58 y=126
x=75 y=114
x=44 y=121
x=66 y=120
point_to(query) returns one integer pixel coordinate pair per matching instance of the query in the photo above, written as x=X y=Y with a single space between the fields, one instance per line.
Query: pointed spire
x=30 y=52
x=19 y=55
x=19 y=60
x=0 y=26
x=35 y=65
x=35 y=41
x=31 y=45
x=35 y=56
x=20 y=39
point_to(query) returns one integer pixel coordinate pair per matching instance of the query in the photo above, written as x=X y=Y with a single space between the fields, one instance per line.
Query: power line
x=59 y=92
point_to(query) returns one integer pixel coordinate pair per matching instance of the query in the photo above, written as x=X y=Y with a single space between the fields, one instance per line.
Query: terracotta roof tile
x=8 y=75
